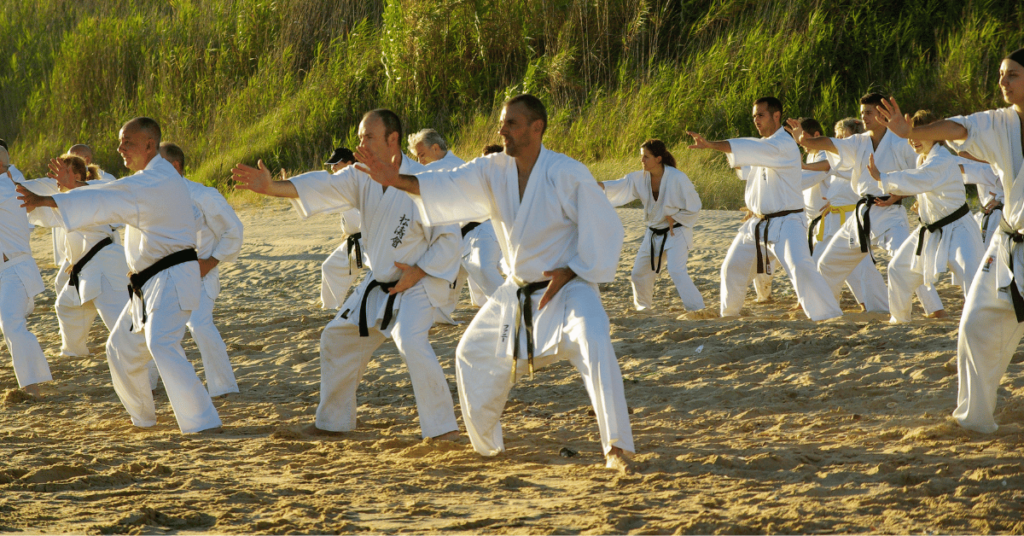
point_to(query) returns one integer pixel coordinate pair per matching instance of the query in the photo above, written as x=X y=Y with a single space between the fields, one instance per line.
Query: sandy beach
x=769 y=423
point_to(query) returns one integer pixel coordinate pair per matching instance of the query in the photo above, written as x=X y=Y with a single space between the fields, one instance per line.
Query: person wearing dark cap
x=991 y=325
x=343 y=265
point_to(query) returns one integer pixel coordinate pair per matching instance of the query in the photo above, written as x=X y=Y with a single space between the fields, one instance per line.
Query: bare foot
x=863 y=309
x=796 y=307
x=450 y=436
x=33 y=390
x=618 y=459
x=314 y=431
x=941 y=313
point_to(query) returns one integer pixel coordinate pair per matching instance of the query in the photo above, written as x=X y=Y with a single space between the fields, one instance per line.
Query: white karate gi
x=989 y=331
x=160 y=220
x=889 y=226
x=19 y=283
x=480 y=257
x=678 y=199
x=940 y=192
x=220 y=237
x=16 y=174
x=990 y=188
x=342 y=267
x=101 y=283
x=57 y=232
x=774 y=183
x=563 y=220
x=392 y=232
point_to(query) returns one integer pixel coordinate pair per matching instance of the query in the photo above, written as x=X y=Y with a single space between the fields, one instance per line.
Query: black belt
x=138 y=280
x=1018 y=300
x=78 y=266
x=656 y=233
x=763 y=267
x=469 y=227
x=364 y=329
x=810 y=232
x=987 y=216
x=937 y=226
x=352 y=242
x=864 y=226
x=525 y=299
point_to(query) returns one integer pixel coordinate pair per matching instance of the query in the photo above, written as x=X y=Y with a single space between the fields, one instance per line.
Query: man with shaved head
x=160 y=247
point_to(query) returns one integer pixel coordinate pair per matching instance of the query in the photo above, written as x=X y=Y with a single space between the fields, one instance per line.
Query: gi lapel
x=537 y=175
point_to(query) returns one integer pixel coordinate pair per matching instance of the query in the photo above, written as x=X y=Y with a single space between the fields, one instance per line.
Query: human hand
x=559 y=277
x=410 y=276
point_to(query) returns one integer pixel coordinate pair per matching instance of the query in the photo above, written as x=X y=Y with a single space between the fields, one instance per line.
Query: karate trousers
x=75 y=321
x=480 y=268
x=130 y=349
x=965 y=252
x=674 y=260
x=988 y=337
x=338 y=273
x=889 y=230
x=220 y=378
x=788 y=243
x=865 y=282
x=344 y=356
x=485 y=380
x=30 y=366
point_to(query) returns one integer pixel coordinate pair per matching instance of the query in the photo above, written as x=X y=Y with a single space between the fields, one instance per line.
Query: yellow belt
x=842 y=210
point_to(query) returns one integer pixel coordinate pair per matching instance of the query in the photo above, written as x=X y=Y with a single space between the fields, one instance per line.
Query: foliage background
x=286 y=80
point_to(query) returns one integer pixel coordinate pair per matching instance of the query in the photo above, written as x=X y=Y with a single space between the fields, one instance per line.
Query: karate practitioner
x=160 y=242
x=91 y=275
x=412 y=266
x=881 y=221
x=481 y=254
x=85 y=152
x=344 y=264
x=990 y=195
x=671 y=207
x=990 y=328
x=19 y=283
x=947 y=236
x=219 y=241
x=560 y=237
x=771 y=167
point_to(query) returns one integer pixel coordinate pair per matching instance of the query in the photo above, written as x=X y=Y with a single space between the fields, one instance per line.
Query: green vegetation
x=286 y=80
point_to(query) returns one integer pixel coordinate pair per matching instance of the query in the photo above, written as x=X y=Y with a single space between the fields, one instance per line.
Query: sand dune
x=764 y=424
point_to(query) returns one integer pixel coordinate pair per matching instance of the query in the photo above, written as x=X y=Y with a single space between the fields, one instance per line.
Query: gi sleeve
x=442 y=257
x=599 y=243
x=621 y=191
x=846 y=156
x=756 y=152
x=321 y=192
x=224 y=223
x=457 y=195
x=912 y=181
x=108 y=203
x=979 y=142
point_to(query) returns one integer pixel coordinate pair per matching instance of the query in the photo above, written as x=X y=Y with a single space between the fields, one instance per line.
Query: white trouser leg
x=891 y=241
x=868 y=287
x=676 y=258
x=220 y=378
x=335 y=277
x=791 y=250
x=109 y=304
x=903 y=281
x=30 y=366
x=74 y=322
x=128 y=352
x=989 y=335
x=485 y=380
x=344 y=356
x=643 y=276
x=481 y=264
x=738 y=269
x=841 y=257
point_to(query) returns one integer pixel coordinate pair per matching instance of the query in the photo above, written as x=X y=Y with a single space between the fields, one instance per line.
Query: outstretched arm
x=812 y=143
x=386 y=173
x=31 y=201
x=899 y=124
x=700 y=143
x=257 y=179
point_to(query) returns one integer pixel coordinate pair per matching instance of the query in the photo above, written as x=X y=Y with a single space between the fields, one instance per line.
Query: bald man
x=160 y=247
